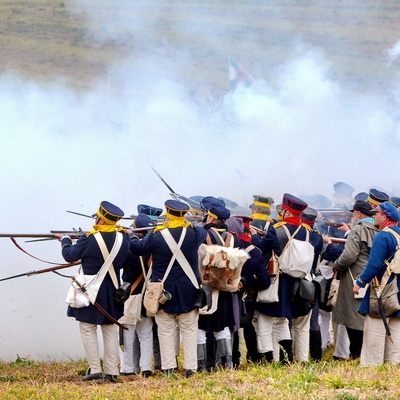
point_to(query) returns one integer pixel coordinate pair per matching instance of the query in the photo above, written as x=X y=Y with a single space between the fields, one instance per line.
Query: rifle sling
x=47 y=262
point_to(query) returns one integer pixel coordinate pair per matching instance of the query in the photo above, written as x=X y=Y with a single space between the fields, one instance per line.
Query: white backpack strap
x=249 y=248
x=108 y=257
x=184 y=263
x=145 y=276
x=174 y=250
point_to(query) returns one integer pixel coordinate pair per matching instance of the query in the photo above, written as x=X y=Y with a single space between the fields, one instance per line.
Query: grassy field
x=26 y=379
x=48 y=39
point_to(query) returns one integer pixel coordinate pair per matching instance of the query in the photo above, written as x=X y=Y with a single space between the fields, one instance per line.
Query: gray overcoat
x=354 y=258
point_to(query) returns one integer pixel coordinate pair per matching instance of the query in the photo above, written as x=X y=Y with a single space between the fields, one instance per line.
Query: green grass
x=25 y=379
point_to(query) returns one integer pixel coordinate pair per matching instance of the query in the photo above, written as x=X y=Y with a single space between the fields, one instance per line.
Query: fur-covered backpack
x=221 y=264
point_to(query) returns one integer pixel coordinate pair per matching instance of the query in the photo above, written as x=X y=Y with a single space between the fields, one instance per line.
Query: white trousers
x=144 y=329
x=188 y=325
x=324 y=320
x=341 y=341
x=301 y=337
x=263 y=327
x=377 y=348
x=270 y=331
x=91 y=346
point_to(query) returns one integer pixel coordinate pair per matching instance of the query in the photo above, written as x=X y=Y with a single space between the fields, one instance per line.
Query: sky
x=63 y=150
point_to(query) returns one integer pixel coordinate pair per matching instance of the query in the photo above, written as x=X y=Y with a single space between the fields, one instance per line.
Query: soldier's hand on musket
x=326 y=239
x=344 y=227
x=252 y=230
x=58 y=236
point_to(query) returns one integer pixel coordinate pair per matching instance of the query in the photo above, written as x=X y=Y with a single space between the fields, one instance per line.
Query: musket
x=42 y=271
x=260 y=232
x=90 y=216
x=337 y=240
x=98 y=306
x=192 y=203
x=329 y=223
x=72 y=234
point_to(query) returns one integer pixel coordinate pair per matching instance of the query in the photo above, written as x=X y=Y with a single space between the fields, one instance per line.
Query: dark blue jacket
x=177 y=283
x=289 y=305
x=88 y=251
x=383 y=248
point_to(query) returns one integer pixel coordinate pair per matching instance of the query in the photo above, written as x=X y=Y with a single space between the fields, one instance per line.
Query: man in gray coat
x=349 y=265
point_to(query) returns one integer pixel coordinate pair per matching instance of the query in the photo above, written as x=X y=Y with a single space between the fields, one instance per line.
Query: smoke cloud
x=297 y=129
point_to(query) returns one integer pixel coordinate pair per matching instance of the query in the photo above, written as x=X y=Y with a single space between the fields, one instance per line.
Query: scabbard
x=383 y=316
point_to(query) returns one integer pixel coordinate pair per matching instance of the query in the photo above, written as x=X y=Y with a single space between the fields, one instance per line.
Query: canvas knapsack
x=221 y=264
x=394 y=264
x=297 y=256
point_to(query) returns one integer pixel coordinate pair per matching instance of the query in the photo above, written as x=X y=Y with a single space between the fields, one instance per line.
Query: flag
x=238 y=76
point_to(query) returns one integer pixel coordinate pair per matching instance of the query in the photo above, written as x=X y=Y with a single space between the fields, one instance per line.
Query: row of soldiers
x=209 y=338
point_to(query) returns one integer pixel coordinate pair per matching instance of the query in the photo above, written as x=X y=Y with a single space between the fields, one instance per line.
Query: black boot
x=315 y=345
x=285 y=352
x=223 y=354
x=201 y=358
x=268 y=357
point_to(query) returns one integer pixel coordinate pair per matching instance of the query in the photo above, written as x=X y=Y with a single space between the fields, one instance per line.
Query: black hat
x=364 y=208
x=218 y=211
x=293 y=204
x=152 y=212
x=142 y=221
x=176 y=208
x=309 y=215
x=377 y=197
x=109 y=213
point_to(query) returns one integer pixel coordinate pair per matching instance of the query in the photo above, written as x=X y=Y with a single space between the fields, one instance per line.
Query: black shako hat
x=377 y=197
x=395 y=201
x=219 y=211
x=109 y=212
x=152 y=212
x=309 y=215
x=293 y=204
x=176 y=208
x=142 y=221
x=206 y=201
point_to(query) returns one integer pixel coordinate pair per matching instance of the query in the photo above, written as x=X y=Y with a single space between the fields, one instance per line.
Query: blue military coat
x=177 y=283
x=383 y=248
x=289 y=306
x=88 y=251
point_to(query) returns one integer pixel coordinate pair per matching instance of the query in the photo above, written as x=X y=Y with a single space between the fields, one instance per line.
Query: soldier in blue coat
x=275 y=316
x=225 y=321
x=88 y=251
x=180 y=309
x=377 y=347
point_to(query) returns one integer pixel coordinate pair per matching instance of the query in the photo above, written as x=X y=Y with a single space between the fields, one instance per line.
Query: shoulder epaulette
x=308 y=227
x=278 y=224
